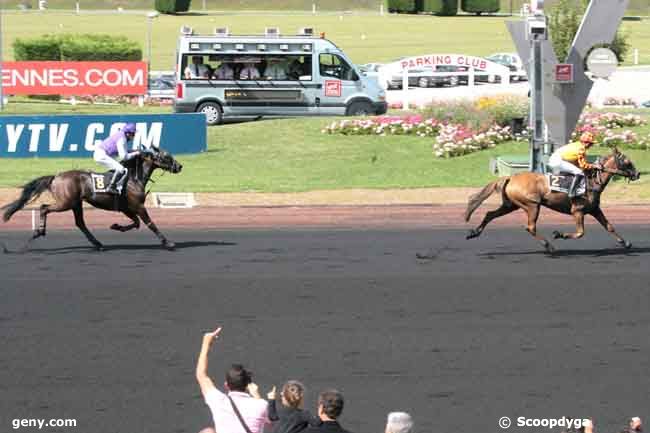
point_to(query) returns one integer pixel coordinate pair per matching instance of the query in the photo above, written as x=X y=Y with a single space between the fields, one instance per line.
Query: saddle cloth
x=562 y=183
x=101 y=181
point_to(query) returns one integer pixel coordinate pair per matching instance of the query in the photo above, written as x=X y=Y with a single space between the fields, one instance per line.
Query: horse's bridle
x=615 y=172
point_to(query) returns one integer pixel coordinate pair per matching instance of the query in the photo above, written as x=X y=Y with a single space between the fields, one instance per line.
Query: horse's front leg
x=580 y=228
x=134 y=225
x=144 y=216
x=600 y=217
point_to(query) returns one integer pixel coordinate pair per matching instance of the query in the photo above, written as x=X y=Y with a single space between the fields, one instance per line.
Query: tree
x=564 y=21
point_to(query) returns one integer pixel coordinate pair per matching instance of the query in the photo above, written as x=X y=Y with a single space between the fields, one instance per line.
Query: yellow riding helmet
x=587 y=137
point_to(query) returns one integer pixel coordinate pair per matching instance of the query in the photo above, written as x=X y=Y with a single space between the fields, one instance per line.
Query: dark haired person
x=289 y=416
x=330 y=407
x=238 y=411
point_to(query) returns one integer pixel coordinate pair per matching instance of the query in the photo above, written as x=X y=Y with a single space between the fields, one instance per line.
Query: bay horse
x=71 y=188
x=530 y=191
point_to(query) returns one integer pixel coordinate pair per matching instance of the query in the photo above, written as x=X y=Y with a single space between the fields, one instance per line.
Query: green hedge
x=84 y=47
x=439 y=7
x=172 y=6
x=44 y=48
x=402 y=6
x=480 y=6
x=100 y=48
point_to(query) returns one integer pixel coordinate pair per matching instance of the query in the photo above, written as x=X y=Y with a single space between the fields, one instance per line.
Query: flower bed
x=602 y=125
x=456 y=140
x=450 y=139
x=385 y=125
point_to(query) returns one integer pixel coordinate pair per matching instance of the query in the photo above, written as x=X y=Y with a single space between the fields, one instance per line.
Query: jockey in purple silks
x=115 y=145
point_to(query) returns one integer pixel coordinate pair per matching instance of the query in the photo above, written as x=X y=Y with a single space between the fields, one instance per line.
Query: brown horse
x=71 y=188
x=530 y=191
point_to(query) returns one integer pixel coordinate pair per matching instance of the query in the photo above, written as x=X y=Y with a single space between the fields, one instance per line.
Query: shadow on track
x=607 y=252
x=119 y=247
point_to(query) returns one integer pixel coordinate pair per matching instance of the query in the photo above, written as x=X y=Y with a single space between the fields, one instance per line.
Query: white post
x=470 y=79
x=77 y=7
x=33 y=220
x=73 y=100
x=636 y=56
x=140 y=101
x=405 y=89
x=381 y=9
x=313 y=8
x=203 y=4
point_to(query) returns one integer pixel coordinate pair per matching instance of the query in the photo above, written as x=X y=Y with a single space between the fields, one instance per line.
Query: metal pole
x=149 y=20
x=537 y=109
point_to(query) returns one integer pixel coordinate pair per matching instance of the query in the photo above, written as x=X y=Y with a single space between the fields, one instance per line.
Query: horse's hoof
x=116 y=227
x=471 y=235
x=99 y=248
x=550 y=249
x=626 y=244
x=557 y=235
x=170 y=246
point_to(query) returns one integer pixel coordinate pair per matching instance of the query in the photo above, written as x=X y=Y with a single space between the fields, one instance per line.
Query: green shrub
x=408 y=6
x=99 y=48
x=43 y=48
x=439 y=7
x=480 y=6
x=85 y=47
x=172 y=6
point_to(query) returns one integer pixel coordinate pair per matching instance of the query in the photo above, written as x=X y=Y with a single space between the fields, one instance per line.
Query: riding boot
x=112 y=187
x=575 y=184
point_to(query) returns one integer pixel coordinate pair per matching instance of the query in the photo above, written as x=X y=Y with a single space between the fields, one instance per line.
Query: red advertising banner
x=74 y=78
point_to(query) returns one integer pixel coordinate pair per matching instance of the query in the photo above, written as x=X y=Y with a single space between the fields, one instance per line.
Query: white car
x=513 y=62
x=370 y=69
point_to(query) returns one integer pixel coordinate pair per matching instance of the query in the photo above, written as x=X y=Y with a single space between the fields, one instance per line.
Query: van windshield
x=288 y=67
x=333 y=65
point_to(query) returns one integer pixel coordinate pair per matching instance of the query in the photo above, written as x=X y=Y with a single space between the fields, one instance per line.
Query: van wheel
x=359 y=108
x=212 y=111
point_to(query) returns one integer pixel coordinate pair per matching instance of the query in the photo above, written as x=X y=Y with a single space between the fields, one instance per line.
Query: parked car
x=370 y=69
x=513 y=62
x=161 y=87
x=424 y=77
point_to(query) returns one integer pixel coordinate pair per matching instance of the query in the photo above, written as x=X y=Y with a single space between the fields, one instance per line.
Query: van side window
x=331 y=65
x=196 y=67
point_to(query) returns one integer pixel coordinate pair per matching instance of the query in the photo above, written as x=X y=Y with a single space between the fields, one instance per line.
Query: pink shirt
x=253 y=410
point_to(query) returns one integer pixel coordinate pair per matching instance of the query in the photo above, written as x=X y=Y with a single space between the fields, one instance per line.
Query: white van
x=223 y=75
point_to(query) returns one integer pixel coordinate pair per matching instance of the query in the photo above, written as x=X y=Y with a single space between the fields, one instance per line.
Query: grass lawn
x=365 y=38
x=293 y=155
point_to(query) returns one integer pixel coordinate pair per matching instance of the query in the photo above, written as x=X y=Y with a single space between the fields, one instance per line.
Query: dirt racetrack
x=479 y=330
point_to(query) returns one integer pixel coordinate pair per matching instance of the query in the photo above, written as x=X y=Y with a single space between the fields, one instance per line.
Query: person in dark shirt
x=330 y=407
x=289 y=416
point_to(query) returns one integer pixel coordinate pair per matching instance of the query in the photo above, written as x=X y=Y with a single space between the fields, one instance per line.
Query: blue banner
x=76 y=136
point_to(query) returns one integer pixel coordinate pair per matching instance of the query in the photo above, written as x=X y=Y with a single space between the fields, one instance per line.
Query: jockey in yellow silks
x=572 y=158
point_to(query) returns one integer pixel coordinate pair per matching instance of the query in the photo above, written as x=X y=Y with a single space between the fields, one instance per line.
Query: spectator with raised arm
x=289 y=416
x=240 y=409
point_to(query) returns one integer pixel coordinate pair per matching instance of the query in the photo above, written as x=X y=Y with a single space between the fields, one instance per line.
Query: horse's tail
x=478 y=198
x=31 y=191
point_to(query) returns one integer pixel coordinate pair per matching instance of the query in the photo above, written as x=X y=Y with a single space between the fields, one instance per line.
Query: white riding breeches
x=556 y=163
x=102 y=158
